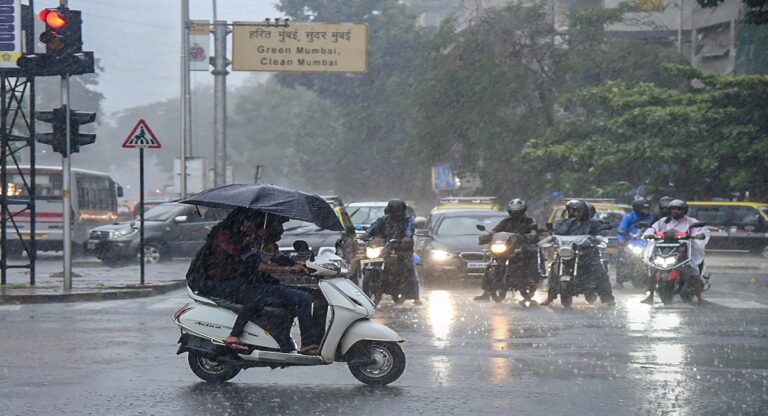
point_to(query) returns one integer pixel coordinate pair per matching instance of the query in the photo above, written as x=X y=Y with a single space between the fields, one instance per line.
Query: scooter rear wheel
x=376 y=363
x=210 y=370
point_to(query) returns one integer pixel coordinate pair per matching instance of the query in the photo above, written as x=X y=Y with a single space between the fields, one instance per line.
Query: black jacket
x=521 y=225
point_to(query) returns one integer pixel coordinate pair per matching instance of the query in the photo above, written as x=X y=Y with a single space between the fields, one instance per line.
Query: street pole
x=183 y=96
x=141 y=214
x=220 y=72
x=66 y=191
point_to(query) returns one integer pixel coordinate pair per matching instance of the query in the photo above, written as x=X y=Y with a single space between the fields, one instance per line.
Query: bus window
x=47 y=186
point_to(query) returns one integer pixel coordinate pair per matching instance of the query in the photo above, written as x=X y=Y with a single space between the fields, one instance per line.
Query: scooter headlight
x=373 y=252
x=440 y=255
x=498 y=248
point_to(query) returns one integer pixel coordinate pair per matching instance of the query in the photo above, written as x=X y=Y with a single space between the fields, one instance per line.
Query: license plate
x=91 y=246
x=565 y=278
x=477 y=264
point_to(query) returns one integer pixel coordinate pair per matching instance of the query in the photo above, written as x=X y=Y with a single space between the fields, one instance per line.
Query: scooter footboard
x=365 y=329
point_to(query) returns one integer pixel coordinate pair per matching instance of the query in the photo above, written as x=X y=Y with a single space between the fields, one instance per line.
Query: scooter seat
x=267 y=313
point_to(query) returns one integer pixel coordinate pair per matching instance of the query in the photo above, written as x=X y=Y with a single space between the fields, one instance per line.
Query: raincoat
x=628 y=225
x=682 y=225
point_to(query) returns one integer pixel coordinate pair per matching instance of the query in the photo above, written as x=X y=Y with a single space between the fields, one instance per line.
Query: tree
x=706 y=139
x=755 y=11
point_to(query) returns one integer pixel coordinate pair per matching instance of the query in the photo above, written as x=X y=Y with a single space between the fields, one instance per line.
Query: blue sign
x=10 y=33
x=442 y=177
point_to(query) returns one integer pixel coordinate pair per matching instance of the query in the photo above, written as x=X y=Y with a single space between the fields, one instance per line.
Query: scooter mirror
x=300 y=245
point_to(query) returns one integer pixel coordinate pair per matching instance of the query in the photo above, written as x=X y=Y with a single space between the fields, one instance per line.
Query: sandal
x=310 y=350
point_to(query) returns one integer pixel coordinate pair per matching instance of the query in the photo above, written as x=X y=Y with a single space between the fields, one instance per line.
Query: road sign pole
x=141 y=213
x=66 y=191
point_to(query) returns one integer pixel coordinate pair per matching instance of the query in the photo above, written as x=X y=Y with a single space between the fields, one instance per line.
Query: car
x=468 y=203
x=363 y=214
x=607 y=210
x=447 y=242
x=734 y=225
x=170 y=230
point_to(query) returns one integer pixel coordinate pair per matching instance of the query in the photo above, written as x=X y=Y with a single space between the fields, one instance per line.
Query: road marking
x=172 y=303
x=10 y=307
x=736 y=303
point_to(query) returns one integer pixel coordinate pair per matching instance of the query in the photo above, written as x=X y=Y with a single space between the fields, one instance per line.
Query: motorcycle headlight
x=440 y=255
x=123 y=232
x=498 y=248
x=373 y=252
x=636 y=250
x=669 y=261
x=566 y=253
x=659 y=261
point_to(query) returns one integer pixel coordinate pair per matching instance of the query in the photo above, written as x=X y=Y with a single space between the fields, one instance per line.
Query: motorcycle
x=631 y=265
x=511 y=254
x=372 y=351
x=669 y=258
x=385 y=269
x=566 y=251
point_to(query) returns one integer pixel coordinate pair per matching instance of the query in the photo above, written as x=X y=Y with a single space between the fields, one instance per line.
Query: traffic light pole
x=66 y=192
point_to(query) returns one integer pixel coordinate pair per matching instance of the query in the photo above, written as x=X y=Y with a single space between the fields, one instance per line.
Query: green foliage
x=708 y=139
x=755 y=11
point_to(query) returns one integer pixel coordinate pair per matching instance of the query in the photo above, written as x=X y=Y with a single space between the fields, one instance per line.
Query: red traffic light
x=52 y=18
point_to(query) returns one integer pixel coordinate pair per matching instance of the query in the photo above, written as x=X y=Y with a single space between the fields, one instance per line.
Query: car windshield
x=162 y=212
x=610 y=217
x=299 y=227
x=366 y=215
x=467 y=225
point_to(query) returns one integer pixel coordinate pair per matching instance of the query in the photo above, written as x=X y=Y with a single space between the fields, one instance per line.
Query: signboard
x=10 y=33
x=199 y=45
x=141 y=137
x=300 y=47
x=443 y=178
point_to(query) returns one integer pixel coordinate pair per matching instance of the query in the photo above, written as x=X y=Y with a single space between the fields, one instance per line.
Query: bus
x=94 y=203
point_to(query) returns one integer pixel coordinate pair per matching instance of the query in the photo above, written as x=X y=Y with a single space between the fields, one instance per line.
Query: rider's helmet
x=641 y=206
x=576 y=205
x=678 y=203
x=517 y=207
x=663 y=204
x=395 y=208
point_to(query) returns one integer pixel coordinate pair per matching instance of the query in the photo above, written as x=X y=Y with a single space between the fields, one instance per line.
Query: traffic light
x=58 y=138
x=63 y=31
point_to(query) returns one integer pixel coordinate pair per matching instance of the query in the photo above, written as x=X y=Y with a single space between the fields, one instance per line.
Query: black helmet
x=641 y=206
x=516 y=207
x=395 y=207
x=576 y=205
x=678 y=203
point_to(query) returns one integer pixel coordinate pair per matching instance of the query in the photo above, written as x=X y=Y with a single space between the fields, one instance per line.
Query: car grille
x=473 y=256
x=99 y=235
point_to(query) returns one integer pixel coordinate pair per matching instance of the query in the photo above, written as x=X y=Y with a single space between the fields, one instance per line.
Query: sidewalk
x=91 y=282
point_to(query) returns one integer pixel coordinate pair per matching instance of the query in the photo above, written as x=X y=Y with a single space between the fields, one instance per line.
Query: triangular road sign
x=141 y=137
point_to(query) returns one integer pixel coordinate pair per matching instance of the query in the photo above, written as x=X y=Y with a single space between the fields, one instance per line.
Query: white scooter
x=371 y=350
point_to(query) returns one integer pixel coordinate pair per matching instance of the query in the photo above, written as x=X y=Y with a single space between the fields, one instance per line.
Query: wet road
x=464 y=357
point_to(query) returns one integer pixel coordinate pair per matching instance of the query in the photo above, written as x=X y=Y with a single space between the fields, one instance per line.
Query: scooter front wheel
x=210 y=370
x=376 y=363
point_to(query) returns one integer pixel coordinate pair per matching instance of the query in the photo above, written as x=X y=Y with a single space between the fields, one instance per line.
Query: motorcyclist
x=679 y=221
x=663 y=206
x=518 y=222
x=579 y=223
x=641 y=212
x=397 y=225
x=234 y=266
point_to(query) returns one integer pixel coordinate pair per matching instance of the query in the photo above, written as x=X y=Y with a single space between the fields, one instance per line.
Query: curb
x=113 y=293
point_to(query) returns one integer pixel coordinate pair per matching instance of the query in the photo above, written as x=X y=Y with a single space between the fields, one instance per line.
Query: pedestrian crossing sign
x=141 y=137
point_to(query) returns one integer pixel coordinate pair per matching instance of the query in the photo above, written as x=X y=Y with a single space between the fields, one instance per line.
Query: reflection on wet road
x=118 y=358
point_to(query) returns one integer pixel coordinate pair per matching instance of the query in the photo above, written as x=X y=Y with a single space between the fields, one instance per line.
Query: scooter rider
x=679 y=221
x=518 y=222
x=579 y=223
x=641 y=212
x=397 y=225
x=232 y=266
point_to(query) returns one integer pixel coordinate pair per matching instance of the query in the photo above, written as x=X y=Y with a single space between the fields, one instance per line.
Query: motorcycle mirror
x=300 y=245
x=420 y=222
x=698 y=225
x=480 y=227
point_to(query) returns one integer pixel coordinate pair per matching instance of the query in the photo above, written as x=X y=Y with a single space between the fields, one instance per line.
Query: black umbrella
x=272 y=200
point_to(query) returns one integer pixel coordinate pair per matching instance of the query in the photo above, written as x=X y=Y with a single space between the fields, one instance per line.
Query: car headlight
x=123 y=232
x=440 y=255
x=373 y=252
x=498 y=248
